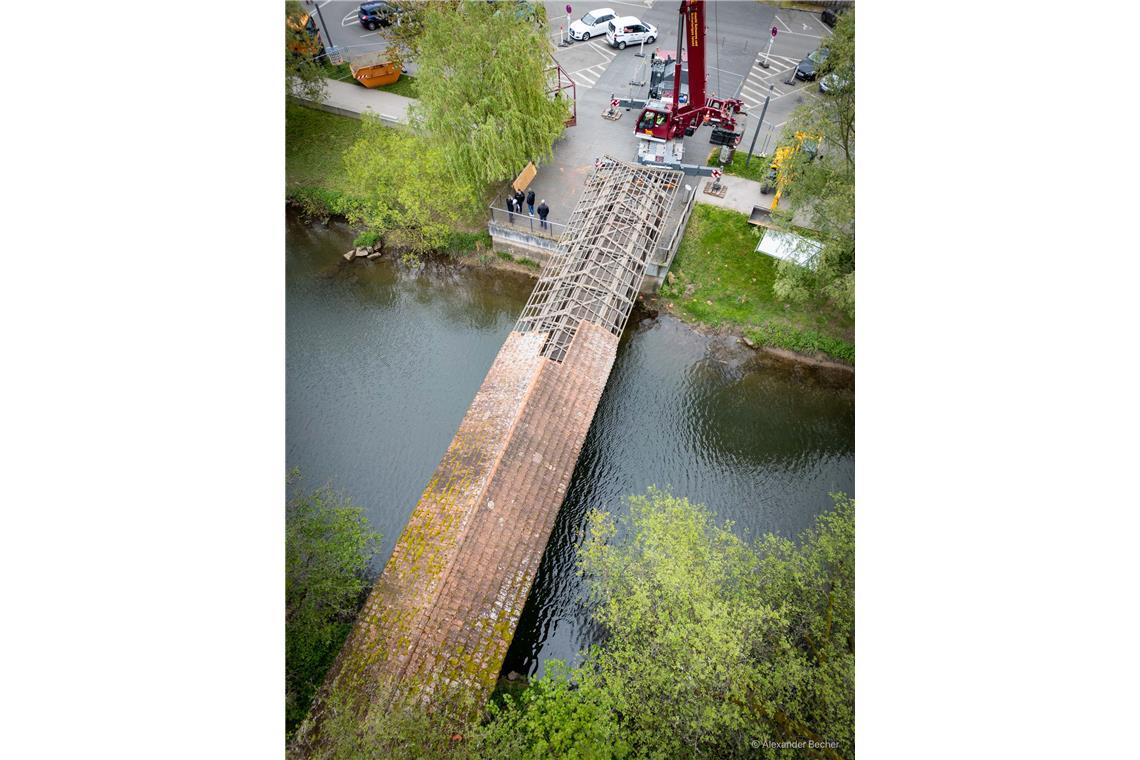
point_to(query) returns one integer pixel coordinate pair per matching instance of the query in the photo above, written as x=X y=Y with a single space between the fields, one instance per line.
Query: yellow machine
x=778 y=176
x=302 y=36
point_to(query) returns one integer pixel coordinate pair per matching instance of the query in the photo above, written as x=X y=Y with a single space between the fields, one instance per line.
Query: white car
x=628 y=30
x=593 y=24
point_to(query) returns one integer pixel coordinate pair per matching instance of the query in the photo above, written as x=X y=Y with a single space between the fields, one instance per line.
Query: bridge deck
x=438 y=622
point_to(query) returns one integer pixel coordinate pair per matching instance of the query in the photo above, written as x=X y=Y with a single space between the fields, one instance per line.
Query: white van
x=629 y=30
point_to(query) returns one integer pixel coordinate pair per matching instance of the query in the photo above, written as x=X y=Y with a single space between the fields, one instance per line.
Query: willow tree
x=483 y=93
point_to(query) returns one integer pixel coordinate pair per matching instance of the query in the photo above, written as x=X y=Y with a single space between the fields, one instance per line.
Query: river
x=382 y=362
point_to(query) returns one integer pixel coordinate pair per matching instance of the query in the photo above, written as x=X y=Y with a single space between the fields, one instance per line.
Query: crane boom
x=661 y=126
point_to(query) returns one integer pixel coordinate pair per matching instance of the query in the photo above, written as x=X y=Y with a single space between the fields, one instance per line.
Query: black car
x=831 y=15
x=377 y=14
x=808 y=68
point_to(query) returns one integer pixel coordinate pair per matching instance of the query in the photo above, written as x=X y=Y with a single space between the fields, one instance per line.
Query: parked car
x=808 y=68
x=628 y=30
x=376 y=14
x=833 y=82
x=593 y=24
x=831 y=15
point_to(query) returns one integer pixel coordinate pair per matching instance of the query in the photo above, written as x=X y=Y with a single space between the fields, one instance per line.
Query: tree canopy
x=483 y=96
x=715 y=648
x=822 y=192
x=304 y=74
x=328 y=546
x=402 y=187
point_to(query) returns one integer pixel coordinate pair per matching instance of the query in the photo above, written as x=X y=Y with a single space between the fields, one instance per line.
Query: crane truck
x=663 y=124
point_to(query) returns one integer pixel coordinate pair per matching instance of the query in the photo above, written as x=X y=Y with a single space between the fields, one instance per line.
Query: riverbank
x=717 y=282
x=720 y=282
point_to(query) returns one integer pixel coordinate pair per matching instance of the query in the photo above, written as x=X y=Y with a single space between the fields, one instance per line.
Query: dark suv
x=377 y=14
x=830 y=16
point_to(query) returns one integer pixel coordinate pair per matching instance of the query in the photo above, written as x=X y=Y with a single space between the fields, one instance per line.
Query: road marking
x=607 y=54
x=781 y=22
x=350 y=19
x=758 y=96
x=585 y=80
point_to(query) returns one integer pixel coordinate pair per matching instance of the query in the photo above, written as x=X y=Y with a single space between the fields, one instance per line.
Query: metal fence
x=525 y=222
x=668 y=251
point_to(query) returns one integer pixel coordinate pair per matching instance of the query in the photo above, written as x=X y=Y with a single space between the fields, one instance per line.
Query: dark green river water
x=383 y=361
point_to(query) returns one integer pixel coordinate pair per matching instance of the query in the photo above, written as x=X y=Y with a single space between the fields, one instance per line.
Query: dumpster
x=375 y=69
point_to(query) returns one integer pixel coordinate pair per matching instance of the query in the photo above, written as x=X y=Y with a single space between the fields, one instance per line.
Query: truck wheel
x=621 y=45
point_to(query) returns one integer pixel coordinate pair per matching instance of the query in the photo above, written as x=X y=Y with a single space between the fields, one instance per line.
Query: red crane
x=662 y=126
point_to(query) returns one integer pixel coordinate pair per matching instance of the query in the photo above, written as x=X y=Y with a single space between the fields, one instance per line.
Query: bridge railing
x=526 y=222
x=666 y=251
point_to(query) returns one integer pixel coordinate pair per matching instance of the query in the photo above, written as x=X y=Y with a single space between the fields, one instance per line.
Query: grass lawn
x=755 y=170
x=315 y=141
x=719 y=279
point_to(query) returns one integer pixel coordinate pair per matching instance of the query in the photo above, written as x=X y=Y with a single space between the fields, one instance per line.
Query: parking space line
x=608 y=55
x=781 y=22
x=582 y=79
x=757 y=95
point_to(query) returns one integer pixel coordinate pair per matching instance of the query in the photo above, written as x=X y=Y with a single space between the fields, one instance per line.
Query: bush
x=366 y=239
x=327 y=550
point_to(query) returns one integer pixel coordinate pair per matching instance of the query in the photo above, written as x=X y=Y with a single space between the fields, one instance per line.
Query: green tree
x=304 y=74
x=483 y=96
x=822 y=191
x=714 y=647
x=401 y=188
x=327 y=550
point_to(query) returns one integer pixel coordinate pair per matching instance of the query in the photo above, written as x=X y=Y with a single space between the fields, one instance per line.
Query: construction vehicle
x=664 y=123
x=303 y=39
x=779 y=175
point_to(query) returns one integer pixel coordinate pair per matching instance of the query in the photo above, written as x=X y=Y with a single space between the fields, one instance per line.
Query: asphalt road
x=737 y=34
x=343 y=28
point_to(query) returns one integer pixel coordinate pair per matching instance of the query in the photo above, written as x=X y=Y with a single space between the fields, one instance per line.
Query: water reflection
x=382 y=362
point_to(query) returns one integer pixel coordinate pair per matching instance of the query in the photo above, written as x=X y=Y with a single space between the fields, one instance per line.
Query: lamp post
x=763 y=111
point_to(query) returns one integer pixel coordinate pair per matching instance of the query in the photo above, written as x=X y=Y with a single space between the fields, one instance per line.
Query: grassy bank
x=719 y=279
x=315 y=174
x=755 y=170
x=315 y=142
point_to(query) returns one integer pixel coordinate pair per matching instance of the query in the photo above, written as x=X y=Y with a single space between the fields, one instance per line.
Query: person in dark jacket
x=530 y=202
x=543 y=210
x=520 y=199
x=510 y=208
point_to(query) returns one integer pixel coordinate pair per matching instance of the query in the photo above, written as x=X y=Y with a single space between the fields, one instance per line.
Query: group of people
x=515 y=203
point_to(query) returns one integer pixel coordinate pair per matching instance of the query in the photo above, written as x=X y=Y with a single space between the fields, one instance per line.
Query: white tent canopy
x=788 y=246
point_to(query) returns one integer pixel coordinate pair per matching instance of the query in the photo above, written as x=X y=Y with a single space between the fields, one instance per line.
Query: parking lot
x=736 y=34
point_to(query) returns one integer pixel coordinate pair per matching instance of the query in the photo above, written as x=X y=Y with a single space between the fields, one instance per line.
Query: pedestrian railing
x=522 y=220
x=666 y=252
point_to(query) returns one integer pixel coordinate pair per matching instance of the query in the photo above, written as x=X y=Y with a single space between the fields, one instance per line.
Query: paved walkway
x=741 y=195
x=350 y=99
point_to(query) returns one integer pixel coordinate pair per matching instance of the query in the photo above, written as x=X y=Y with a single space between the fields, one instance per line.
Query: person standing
x=510 y=208
x=519 y=200
x=543 y=210
x=530 y=202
